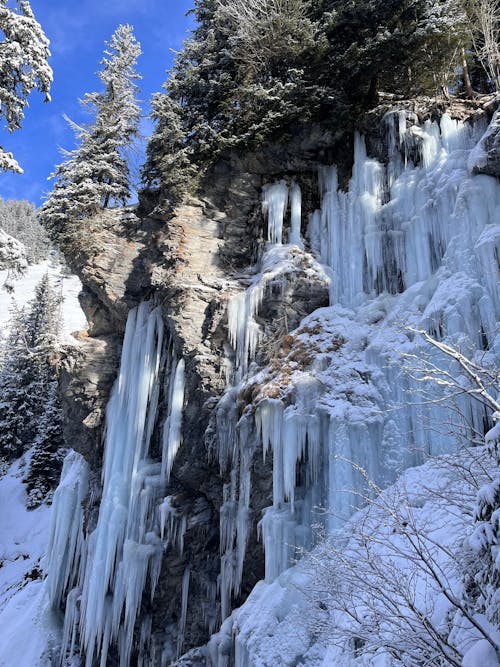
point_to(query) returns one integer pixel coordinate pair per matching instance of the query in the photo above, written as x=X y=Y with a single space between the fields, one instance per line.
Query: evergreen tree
x=24 y=50
x=254 y=69
x=48 y=448
x=18 y=388
x=18 y=218
x=481 y=562
x=30 y=413
x=169 y=166
x=96 y=174
x=12 y=257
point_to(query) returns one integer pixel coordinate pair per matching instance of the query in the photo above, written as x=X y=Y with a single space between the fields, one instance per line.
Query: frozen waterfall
x=414 y=242
x=109 y=570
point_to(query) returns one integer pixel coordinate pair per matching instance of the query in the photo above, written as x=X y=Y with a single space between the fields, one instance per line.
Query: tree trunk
x=467 y=83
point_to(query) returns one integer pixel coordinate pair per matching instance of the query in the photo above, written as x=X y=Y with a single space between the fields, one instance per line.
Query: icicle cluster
x=124 y=551
x=244 y=331
x=413 y=240
x=65 y=548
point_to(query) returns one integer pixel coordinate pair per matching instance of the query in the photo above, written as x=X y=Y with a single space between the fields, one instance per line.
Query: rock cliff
x=193 y=262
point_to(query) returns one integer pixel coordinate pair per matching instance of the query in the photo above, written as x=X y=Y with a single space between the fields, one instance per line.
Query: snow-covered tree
x=484 y=16
x=12 y=257
x=48 y=452
x=267 y=33
x=482 y=571
x=24 y=50
x=28 y=371
x=96 y=174
x=254 y=70
x=168 y=165
x=18 y=218
x=18 y=386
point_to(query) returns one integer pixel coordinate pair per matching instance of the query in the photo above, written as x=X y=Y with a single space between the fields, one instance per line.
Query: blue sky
x=77 y=30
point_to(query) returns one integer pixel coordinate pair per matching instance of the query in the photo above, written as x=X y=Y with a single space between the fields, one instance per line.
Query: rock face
x=193 y=263
x=486 y=158
x=87 y=374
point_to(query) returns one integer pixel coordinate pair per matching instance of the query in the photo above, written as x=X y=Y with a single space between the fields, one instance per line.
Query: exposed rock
x=485 y=158
x=87 y=375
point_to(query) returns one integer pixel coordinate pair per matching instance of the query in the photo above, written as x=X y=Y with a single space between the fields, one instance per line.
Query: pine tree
x=169 y=166
x=254 y=70
x=18 y=387
x=28 y=371
x=481 y=562
x=18 y=218
x=24 y=50
x=48 y=448
x=96 y=174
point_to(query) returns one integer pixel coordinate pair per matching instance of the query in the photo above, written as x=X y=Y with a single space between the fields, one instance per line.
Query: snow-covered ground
x=403 y=546
x=25 y=620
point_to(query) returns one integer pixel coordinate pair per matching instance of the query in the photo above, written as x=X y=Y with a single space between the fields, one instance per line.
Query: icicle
x=405 y=238
x=274 y=203
x=65 y=549
x=296 y=214
x=173 y=424
x=244 y=332
x=121 y=547
x=173 y=524
x=184 y=608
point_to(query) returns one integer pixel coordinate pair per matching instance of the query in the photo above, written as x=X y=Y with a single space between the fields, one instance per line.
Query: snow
x=24 y=609
x=297 y=617
x=478 y=157
x=73 y=318
x=482 y=654
x=25 y=599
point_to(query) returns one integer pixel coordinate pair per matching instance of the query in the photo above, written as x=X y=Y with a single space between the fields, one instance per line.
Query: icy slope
x=312 y=611
x=25 y=624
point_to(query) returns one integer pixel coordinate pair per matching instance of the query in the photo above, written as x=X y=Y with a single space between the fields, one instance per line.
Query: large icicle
x=123 y=544
x=65 y=548
x=173 y=425
x=274 y=203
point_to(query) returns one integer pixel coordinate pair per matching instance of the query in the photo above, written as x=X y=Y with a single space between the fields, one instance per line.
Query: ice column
x=393 y=226
x=65 y=549
x=173 y=425
x=294 y=435
x=123 y=544
x=296 y=213
x=184 y=608
x=274 y=203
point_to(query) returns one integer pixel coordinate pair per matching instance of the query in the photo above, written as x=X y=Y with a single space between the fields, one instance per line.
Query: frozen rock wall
x=289 y=306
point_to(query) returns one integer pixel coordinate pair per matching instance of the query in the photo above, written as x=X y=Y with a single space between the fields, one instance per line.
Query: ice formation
x=414 y=242
x=110 y=569
x=274 y=204
x=66 y=540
